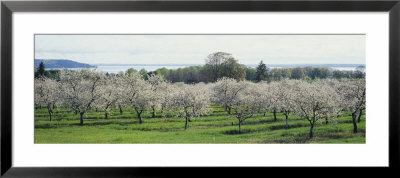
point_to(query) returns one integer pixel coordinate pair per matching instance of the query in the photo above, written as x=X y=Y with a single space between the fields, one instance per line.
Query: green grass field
x=218 y=127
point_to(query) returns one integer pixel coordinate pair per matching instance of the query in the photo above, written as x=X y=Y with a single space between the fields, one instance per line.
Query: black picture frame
x=8 y=7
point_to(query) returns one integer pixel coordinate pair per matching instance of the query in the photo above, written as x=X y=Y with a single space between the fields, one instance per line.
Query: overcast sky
x=193 y=49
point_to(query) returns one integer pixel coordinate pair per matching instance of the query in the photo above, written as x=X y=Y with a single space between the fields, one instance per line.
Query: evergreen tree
x=262 y=72
x=41 y=71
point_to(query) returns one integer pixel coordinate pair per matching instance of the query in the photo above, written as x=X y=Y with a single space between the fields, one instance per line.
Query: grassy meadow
x=217 y=127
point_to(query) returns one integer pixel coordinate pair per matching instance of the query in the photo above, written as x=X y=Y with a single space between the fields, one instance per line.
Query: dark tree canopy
x=320 y=72
x=262 y=72
x=297 y=73
x=143 y=73
x=250 y=74
x=41 y=69
x=232 y=69
x=131 y=71
x=214 y=64
x=221 y=64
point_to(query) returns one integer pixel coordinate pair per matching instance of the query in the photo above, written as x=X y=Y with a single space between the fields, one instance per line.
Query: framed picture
x=111 y=89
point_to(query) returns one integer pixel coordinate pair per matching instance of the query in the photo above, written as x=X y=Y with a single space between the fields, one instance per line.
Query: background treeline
x=221 y=64
x=196 y=74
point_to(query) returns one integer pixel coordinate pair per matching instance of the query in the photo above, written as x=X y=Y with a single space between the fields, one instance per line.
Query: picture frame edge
x=8 y=7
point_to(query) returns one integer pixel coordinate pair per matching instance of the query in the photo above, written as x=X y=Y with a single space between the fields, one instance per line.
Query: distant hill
x=61 y=63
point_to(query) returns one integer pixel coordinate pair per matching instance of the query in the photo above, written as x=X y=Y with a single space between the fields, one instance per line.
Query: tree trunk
x=163 y=113
x=326 y=120
x=265 y=113
x=51 y=115
x=274 y=115
x=359 y=116
x=186 y=122
x=50 y=112
x=287 y=121
x=240 y=127
x=106 y=115
x=153 y=115
x=229 y=110
x=354 y=116
x=139 y=114
x=81 y=121
x=140 y=117
x=311 y=130
x=120 y=110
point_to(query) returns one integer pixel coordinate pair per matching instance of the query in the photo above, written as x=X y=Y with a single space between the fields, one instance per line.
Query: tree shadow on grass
x=290 y=126
x=270 y=120
x=55 y=125
x=291 y=140
x=304 y=138
x=236 y=132
x=262 y=129
x=255 y=122
x=114 y=125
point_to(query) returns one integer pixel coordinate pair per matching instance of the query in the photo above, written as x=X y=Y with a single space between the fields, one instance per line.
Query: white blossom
x=47 y=92
x=244 y=105
x=313 y=101
x=191 y=100
x=80 y=89
x=109 y=94
x=137 y=93
x=226 y=92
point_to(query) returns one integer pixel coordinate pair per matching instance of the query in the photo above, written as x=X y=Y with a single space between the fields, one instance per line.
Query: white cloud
x=193 y=49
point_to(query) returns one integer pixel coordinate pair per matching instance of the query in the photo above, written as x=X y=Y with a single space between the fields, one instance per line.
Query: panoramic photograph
x=199 y=89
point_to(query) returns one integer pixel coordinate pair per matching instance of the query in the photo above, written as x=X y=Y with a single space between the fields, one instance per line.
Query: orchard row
x=315 y=100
